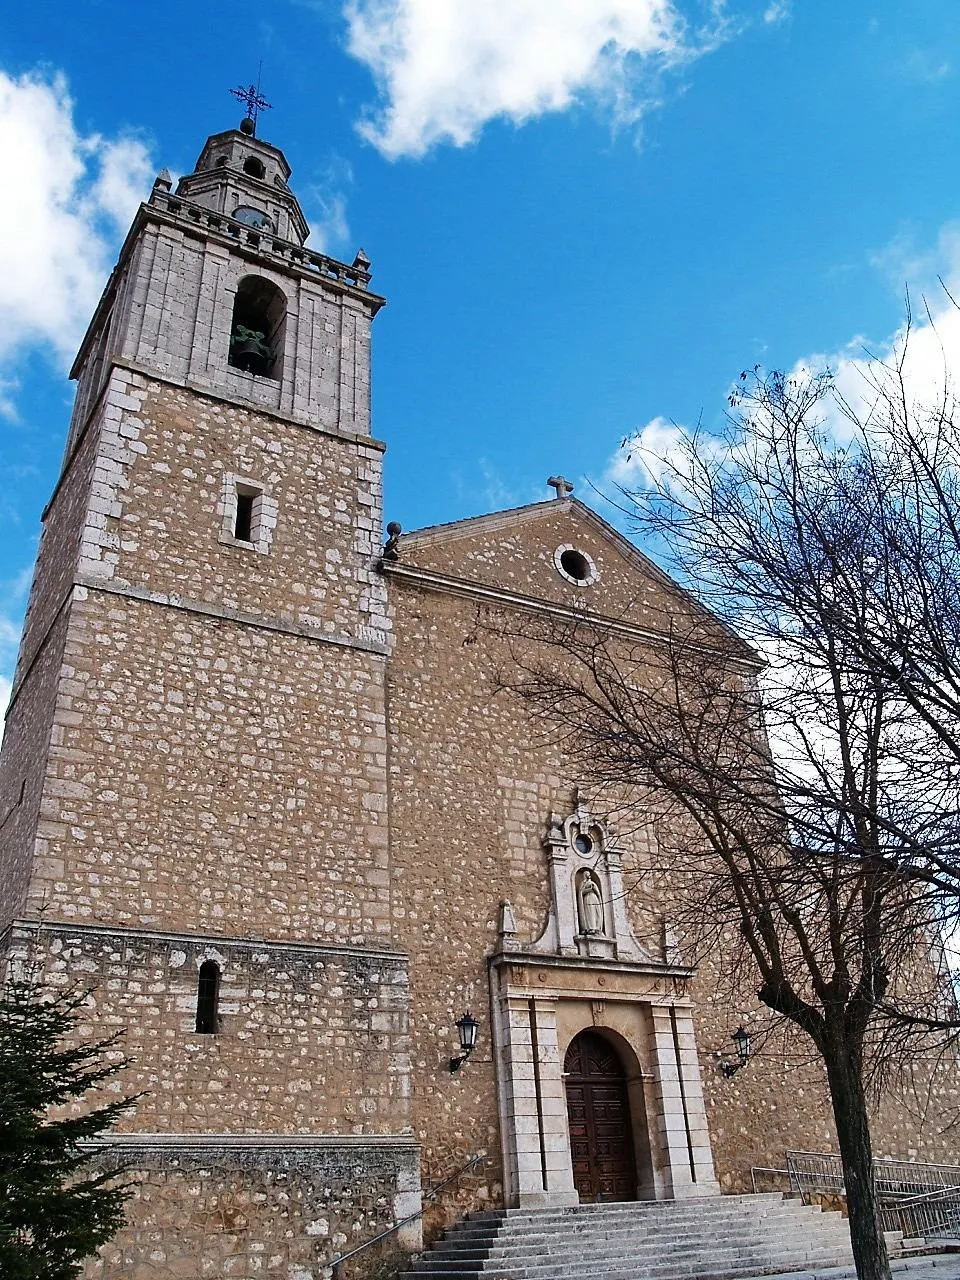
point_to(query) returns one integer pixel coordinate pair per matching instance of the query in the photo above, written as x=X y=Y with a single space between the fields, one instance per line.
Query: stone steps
x=716 y=1238
x=652 y=1243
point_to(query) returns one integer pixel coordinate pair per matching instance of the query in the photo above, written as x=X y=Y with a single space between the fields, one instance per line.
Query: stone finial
x=563 y=487
x=163 y=181
x=361 y=262
x=508 y=923
x=671 y=945
x=390 y=551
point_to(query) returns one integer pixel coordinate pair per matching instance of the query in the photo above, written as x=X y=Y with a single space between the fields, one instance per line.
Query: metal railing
x=778 y=1179
x=932 y=1216
x=918 y=1199
x=341 y=1258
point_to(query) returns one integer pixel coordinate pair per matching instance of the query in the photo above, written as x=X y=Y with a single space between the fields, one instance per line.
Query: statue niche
x=590 y=905
x=588 y=914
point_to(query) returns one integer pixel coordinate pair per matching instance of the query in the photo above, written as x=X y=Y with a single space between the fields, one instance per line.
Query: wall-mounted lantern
x=741 y=1040
x=467 y=1028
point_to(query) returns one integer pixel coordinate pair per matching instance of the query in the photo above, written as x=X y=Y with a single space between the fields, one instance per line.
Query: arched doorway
x=598 y=1109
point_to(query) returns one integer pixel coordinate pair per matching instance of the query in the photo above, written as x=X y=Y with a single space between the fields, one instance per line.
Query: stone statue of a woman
x=591 y=907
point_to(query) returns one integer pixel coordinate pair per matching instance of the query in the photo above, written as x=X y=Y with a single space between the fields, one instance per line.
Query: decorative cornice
x=250 y=1141
x=211 y=609
x=250 y=942
x=448 y=584
x=591 y=964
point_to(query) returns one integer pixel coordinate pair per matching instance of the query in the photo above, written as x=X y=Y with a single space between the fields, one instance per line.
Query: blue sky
x=587 y=215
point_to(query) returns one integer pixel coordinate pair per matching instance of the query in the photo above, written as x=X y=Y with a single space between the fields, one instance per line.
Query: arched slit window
x=256 y=168
x=256 y=334
x=208 y=994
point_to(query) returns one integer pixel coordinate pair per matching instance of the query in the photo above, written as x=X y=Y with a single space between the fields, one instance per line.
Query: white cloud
x=61 y=217
x=926 y=350
x=778 y=11
x=326 y=202
x=8 y=390
x=648 y=455
x=444 y=68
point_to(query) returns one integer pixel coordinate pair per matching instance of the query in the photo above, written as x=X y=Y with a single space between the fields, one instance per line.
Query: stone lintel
x=589 y=977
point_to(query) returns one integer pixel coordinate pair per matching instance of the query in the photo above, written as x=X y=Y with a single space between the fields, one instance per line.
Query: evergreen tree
x=54 y=1209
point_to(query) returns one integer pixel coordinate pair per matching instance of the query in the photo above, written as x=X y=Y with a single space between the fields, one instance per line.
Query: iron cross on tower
x=254 y=101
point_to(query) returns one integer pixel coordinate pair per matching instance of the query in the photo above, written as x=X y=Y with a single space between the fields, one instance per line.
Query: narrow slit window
x=243 y=523
x=208 y=994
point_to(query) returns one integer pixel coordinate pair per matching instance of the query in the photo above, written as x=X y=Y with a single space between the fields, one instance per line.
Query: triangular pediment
x=563 y=553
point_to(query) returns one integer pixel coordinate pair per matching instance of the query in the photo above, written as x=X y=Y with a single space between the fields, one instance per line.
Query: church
x=364 y=930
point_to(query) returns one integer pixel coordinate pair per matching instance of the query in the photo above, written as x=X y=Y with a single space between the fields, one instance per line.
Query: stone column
x=683 y=1118
x=536 y=1142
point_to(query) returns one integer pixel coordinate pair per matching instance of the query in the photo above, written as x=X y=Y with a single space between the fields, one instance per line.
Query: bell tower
x=193 y=814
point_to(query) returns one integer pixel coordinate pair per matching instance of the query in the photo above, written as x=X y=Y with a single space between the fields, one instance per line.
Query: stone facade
x=240 y=743
x=232 y=1208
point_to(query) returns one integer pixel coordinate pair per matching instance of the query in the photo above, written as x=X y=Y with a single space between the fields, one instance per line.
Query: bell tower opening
x=257 y=329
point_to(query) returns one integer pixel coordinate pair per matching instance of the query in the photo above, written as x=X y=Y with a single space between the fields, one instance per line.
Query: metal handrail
x=942 y=1193
x=915 y=1198
x=763 y=1168
x=341 y=1258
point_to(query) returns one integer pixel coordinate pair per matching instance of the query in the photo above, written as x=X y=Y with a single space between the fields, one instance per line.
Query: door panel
x=598 y=1109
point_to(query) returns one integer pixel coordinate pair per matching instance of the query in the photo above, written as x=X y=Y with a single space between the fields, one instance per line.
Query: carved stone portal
x=588 y=972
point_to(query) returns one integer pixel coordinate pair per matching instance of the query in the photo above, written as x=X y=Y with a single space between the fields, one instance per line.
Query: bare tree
x=814 y=797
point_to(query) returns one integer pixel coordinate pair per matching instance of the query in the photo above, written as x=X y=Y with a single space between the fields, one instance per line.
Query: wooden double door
x=598 y=1109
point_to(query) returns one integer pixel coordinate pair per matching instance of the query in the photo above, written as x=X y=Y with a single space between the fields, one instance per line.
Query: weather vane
x=254 y=101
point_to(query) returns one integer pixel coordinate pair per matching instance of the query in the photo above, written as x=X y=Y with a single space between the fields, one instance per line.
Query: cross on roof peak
x=254 y=101
x=563 y=487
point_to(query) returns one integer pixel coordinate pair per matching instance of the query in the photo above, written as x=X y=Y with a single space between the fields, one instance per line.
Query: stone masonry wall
x=157 y=515
x=29 y=719
x=310 y=1039
x=63 y=526
x=26 y=741
x=215 y=777
x=473 y=783
x=179 y=310
x=249 y=1212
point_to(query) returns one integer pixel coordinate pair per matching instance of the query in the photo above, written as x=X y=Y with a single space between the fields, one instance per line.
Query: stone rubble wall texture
x=197 y=786
x=155 y=518
x=30 y=727
x=246 y=1213
x=310 y=1039
x=467 y=761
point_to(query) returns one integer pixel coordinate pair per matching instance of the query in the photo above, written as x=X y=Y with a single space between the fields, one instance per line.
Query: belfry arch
x=258 y=327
